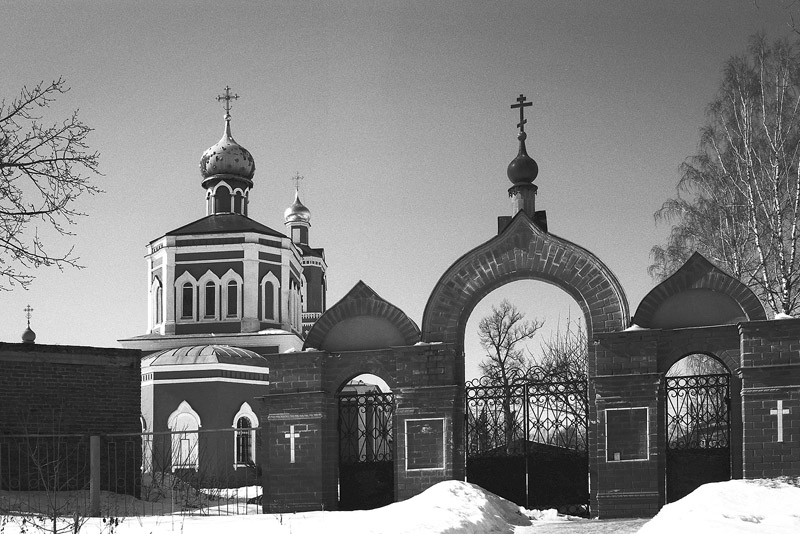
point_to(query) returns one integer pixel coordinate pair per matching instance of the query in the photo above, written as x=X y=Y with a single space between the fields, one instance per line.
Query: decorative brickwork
x=522 y=251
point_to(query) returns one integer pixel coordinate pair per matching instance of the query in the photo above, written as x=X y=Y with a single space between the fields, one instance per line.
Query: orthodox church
x=224 y=292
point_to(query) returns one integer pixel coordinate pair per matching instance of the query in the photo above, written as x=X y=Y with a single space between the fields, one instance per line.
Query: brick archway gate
x=523 y=251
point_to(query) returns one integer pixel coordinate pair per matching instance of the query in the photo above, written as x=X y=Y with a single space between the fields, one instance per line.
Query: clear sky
x=397 y=113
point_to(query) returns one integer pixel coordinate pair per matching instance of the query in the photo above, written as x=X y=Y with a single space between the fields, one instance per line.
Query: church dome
x=227 y=157
x=207 y=354
x=29 y=336
x=522 y=169
x=297 y=212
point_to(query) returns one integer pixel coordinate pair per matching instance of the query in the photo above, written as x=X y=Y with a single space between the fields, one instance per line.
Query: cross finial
x=28 y=311
x=297 y=178
x=521 y=104
x=227 y=97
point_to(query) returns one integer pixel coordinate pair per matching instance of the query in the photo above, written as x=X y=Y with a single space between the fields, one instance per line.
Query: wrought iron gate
x=366 y=460
x=698 y=432
x=527 y=440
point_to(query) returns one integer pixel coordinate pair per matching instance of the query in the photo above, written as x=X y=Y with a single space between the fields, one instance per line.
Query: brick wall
x=66 y=389
x=74 y=391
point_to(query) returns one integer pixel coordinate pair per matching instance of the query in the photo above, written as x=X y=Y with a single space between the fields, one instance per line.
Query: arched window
x=237 y=202
x=269 y=298
x=211 y=300
x=245 y=422
x=187 y=301
x=159 y=304
x=222 y=197
x=186 y=297
x=209 y=285
x=231 y=295
x=184 y=423
x=232 y=305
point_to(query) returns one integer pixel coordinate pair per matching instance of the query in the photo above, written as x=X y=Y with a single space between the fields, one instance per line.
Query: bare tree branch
x=40 y=181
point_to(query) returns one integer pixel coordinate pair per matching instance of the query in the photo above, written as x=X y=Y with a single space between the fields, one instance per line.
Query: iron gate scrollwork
x=366 y=458
x=698 y=432
x=526 y=439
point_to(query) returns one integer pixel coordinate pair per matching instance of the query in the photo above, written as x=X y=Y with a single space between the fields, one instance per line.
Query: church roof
x=206 y=354
x=223 y=223
x=308 y=251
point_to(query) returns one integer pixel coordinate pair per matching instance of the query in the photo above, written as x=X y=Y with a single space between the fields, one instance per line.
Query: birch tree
x=738 y=200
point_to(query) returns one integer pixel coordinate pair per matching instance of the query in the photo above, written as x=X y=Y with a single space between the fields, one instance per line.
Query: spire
x=29 y=336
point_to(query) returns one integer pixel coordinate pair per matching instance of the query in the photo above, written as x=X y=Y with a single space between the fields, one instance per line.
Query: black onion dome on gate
x=206 y=354
x=227 y=158
x=522 y=169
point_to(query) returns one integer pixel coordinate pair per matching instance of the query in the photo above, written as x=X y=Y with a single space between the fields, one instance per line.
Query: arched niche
x=524 y=251
x=698 y=294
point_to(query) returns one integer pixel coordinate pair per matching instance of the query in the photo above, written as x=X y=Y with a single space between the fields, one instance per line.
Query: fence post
x=94 y=476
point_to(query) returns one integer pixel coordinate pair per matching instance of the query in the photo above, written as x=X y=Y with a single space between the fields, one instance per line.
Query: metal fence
x=207 y=472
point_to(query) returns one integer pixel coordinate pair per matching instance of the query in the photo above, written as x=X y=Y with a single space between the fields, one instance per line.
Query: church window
x=245 y=423
x=269 y=298
x=184 y=424
x=211 y=300
x=237 y=202
x=223 y=200
x=187 y=300
x=233 y=299
x=159 y=304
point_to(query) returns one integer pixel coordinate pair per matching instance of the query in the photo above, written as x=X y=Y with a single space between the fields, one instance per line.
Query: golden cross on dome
x=297 y=178
x=28 y=311
x=521 y=104
x=227 y=97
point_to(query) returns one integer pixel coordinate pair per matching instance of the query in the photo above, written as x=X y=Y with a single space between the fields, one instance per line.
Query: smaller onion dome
x=227 y=157
x=29 y=336
x=297 y=212
x=522 y=169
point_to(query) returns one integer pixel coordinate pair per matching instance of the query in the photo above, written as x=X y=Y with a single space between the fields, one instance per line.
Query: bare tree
x=41 y=179
x=738 y=200
x=501 y=335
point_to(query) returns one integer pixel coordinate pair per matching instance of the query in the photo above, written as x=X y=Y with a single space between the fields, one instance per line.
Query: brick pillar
x=299 y=437
x=771 y=398
x=626 y=428
x=429 y=418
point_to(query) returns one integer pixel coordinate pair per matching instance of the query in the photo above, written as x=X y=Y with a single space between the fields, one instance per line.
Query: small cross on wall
x=291 y=437
x=780 y=411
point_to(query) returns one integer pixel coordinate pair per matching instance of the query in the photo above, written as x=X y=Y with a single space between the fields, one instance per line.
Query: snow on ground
x=736 y=506
x=453 y=507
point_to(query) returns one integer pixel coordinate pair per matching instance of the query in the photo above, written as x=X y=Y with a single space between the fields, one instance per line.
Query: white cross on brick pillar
x=780 y=412
x=291 y=436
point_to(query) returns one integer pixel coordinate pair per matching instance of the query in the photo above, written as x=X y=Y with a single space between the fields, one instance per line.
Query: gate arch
x=524 y=251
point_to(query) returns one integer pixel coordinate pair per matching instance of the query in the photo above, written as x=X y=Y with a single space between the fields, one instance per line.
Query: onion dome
x=29 y=336
x=522 y=169
x=227 y=157
x=297 y=212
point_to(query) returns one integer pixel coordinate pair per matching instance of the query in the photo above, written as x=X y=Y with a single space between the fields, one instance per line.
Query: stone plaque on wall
x=627 y=436
x=424 y=444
